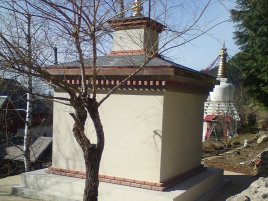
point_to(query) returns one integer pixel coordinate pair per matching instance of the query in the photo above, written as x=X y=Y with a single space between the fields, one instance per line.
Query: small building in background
x=42 y=112
x=12 y=162
x=220 y=114
x=12 y=128
x=8 y=128
x=8 y=118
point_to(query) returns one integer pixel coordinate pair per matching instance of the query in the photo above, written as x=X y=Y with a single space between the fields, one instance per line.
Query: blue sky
x=199 y=53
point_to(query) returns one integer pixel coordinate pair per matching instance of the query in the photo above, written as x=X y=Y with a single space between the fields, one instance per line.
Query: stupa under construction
x=220 y=113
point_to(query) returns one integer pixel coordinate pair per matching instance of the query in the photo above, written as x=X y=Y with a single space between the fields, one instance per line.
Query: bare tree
x=23 y=35
x=82 y=27
x=28 y=122
x=13 y=97
x=28 y=41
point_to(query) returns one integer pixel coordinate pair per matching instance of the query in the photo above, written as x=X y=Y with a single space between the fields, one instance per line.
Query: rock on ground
x=257 y=191
x=262 y=138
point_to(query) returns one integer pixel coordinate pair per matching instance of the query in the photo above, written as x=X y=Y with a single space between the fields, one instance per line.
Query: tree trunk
x=27 y=131
x=93 y=156
x=92 y=162
x=28 y=123
x=92 y=152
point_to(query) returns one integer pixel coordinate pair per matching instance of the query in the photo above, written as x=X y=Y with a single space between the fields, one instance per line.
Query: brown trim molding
x=127 y=52
x=162 y=186
x=136 y=23
x=195 y=88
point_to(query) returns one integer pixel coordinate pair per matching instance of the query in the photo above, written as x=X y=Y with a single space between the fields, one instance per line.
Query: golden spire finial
x=222 y=70
x=137 y=8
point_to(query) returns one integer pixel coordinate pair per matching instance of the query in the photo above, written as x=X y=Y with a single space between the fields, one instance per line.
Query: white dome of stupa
x=224 y=92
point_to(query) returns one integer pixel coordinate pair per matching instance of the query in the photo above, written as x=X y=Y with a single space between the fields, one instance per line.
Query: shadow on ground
x=236 y=184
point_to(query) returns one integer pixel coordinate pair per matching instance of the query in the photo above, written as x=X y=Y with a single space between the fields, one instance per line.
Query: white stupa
x=220 y=113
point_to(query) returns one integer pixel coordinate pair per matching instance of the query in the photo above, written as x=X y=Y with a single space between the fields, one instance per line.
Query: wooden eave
x=113 y=71
x=151 y=71
x=135 y=23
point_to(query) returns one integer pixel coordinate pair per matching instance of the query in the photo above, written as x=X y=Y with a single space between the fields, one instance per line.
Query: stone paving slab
x=5 y=189
x=237 y=183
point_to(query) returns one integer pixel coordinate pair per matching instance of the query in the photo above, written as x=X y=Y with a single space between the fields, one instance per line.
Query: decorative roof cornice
x=158 y=74
x=136 y=23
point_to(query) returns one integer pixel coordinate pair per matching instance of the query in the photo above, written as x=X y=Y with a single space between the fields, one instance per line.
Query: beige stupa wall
x=181 y=137
x=149 y=136
x=132 y=148
x=131 y=123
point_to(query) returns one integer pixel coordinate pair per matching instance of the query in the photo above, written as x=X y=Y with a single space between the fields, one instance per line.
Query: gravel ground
x=241 y=159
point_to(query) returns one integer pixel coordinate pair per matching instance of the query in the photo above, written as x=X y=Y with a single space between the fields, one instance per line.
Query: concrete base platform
x=41 y=185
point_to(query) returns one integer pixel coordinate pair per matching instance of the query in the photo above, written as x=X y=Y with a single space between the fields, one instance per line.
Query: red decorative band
x=162 y=186
x=134 y=83
x=145 y=85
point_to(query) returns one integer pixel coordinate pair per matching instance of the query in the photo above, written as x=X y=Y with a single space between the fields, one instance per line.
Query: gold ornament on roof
x=137 y=8
x=222 y=71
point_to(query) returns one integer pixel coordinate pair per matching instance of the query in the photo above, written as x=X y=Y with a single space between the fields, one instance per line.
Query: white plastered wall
x=135 y=39
x=151 y=38
x=182 y=133
x=205 y=127
x=131 y=124
x=132 y=39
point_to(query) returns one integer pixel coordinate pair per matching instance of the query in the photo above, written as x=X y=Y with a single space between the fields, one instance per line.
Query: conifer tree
x=251 y=35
